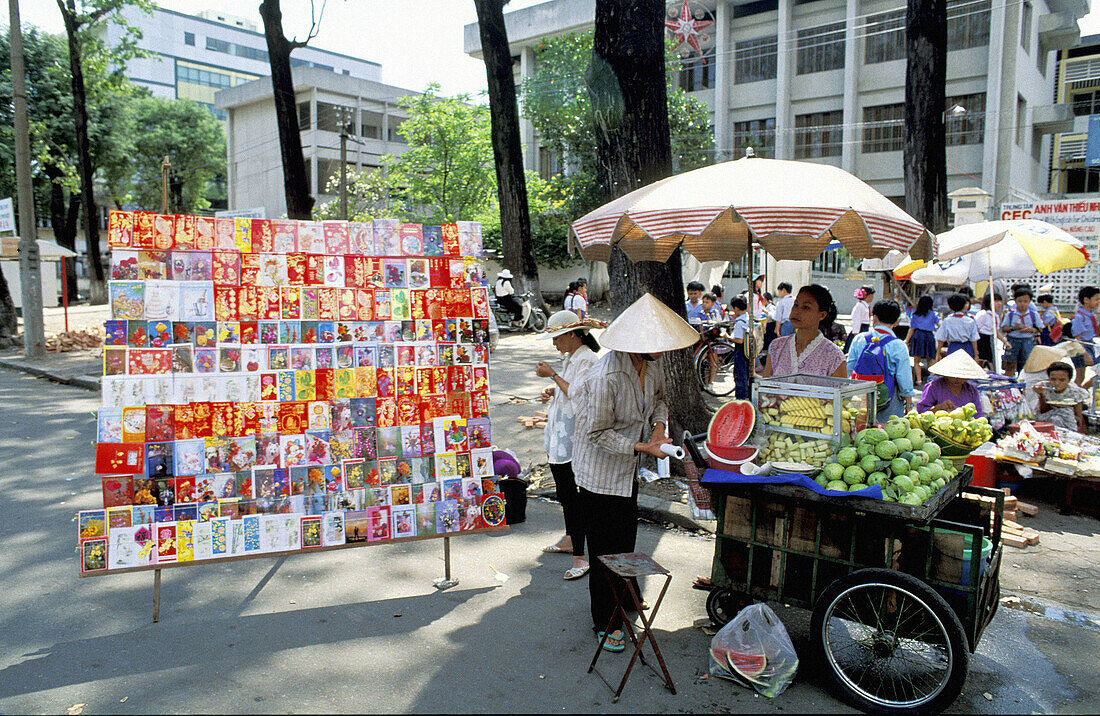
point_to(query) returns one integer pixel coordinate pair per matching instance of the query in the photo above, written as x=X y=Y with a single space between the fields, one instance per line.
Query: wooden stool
x=627 y=566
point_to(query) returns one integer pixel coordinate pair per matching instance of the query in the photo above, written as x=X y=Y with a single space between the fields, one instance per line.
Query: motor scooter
x=531 y=318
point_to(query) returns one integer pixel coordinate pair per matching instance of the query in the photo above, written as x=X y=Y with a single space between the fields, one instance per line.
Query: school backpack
x=874 y=366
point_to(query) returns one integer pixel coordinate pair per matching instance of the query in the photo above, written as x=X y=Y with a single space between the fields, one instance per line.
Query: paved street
x=363 y=630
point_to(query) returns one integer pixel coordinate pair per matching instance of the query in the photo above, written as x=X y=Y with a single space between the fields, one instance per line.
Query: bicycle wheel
x=714 y=368
x=889 y=644
x=537 y=320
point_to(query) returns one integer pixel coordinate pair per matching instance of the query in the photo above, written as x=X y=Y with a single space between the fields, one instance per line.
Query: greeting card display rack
x=277 y=387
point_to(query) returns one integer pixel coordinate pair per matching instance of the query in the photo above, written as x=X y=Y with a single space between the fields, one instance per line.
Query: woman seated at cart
x=953 y=384
x=807 y=350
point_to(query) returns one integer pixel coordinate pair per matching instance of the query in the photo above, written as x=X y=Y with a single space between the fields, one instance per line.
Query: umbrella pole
x=997 y=319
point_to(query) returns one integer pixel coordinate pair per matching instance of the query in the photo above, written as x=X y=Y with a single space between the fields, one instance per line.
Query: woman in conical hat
x=573 y=338
x=952 y=386
x=625 y=415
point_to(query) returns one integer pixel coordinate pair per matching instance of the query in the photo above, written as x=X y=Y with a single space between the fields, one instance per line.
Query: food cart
x=898 y=602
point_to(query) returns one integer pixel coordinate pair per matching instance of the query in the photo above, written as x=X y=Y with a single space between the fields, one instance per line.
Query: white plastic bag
x=755 y=650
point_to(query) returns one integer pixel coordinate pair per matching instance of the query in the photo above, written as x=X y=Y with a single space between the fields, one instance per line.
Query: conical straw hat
x=1042 y=356
x=958 y=365
x=648 y=326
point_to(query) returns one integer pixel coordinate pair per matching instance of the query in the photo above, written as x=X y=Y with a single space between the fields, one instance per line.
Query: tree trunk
x=98 y=288
x=515 y=218
x=63 y=219
x=626 y=83
x=925 y=150
x=299 y=200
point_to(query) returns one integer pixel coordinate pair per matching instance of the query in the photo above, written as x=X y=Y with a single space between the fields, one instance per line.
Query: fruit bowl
x=794 y=468
x=729 y=455
x=949 y=447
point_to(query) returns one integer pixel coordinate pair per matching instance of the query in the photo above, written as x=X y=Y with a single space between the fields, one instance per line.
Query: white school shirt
x=861 y=314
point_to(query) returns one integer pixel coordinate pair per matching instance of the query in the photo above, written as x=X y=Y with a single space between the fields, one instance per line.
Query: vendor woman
x=951 y=386
x=807 y=350
x=626 y=417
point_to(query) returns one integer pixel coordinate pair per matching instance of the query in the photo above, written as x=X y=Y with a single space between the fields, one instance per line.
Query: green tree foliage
x=557 y=103
x=371 y=195
x=186 y=133
x=447 y=173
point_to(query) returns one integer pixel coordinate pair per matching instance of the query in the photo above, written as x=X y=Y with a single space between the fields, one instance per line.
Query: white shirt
x=504 y=287
x=557 y=438
x=783 y=308
x=757 y=306
x=861 y=314
x=576 y=303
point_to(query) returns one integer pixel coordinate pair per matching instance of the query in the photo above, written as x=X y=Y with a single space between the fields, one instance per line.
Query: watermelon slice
x=747 y=665
x=732 y=424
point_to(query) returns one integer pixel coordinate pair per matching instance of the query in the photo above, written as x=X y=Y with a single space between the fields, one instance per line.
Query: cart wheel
x=889 y=643
x=723 y=605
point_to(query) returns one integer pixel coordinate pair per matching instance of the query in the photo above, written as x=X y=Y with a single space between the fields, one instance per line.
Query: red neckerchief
x=1092 y=317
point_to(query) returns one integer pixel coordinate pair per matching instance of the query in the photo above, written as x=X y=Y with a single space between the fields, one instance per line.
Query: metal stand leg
x=156 y=596
x=446 y=582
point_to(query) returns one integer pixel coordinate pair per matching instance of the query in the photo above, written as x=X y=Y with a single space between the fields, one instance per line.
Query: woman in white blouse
x=578 y=347
x=861 y=313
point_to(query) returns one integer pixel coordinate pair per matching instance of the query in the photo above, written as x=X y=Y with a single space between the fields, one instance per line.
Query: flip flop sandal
x=608 y=646
x=576 y=572
x=554 y=549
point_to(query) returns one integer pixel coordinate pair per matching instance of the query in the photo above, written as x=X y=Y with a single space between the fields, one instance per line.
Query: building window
x=206 y=78
x=333 y=117
x=834 y=262
x=549 y=163
x=189 y=38
x=303 y=116
x=821 y=48
x=1025 y=26
x=883 y=128
x=697 y=73
x=756 y=133
x=231 y=48
x=394 y=127
x=1021 y=119
x=967 y=24
x=754 y=60
x=370 y=124
x=885 y=38
x=1085 y=103
x=1081 y=180
x=818 y=134
x=967 y=126
x=295 y=62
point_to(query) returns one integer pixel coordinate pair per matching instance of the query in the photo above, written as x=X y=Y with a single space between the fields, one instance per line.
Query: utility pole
x=30 y=269
x=344 y=170
x=165 y=165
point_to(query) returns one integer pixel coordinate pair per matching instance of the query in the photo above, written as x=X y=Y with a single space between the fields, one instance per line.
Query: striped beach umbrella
x=794 y=210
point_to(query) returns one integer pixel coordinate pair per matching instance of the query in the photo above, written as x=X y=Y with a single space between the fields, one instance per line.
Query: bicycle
x=713 y=360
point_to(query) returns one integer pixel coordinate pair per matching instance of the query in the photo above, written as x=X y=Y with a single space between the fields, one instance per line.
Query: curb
x=656 y=510
x=79 y=381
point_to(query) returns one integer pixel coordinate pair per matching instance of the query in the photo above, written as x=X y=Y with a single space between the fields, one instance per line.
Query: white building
x=325 y=101
x=194 y=56
x=824 y=80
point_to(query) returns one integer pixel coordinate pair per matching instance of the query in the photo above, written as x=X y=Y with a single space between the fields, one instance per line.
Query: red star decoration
x=686 y=29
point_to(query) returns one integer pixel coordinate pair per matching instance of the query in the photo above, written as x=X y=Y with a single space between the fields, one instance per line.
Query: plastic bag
x=755 y=650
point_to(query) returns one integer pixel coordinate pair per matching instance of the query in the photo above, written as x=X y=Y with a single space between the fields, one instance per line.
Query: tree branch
x=314 y=25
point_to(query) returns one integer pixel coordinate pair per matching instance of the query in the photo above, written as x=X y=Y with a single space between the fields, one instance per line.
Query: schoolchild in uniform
x=1022 y=325
x=957 y=331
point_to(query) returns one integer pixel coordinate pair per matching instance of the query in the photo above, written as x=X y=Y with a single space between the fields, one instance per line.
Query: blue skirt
x=961 y=346
x=923 y=344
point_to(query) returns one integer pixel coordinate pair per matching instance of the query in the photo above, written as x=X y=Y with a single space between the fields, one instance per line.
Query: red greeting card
x=327 y=300
x=250 y=269
x=269 y=386
x=325 y=382
x=120 y=229
x=356 y=271
x=450 y=240
x=186 y=235
x=221 y=420
x=183 y=421
x=118 y=490
x=296 y=269
x=250 y=332
x=164 y=231
x=479 y=404
x=293 y=417
x=336 y=237
x=387 y=412
x=408 y=410
x=202 y=420
x=120 y=458
x=144 y=233
x=439 y=273
x=285 y=235
x=365 y=382
x=226 y=267
x=225 y=303
x=160 y=422
x=204 y=233
x=290 y=302
x=248 y=303
x=269 y=303
x=315 y=270
x=263 y=236
x=365 y=304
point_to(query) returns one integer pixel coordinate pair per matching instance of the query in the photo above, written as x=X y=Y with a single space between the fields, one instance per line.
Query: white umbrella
x=793 y=209
x=1002 y=249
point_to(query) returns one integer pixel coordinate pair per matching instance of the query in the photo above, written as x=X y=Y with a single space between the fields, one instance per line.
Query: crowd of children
x=950 y=350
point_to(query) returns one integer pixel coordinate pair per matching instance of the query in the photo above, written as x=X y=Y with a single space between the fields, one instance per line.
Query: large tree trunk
x=515 y=218
x=925 y=151
x=63 y=218
x=626 y=82
x=98 y=285
x=299 y=200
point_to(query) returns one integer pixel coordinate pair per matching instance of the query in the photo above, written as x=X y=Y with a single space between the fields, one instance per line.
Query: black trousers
x=611 y=527
x=570 y=499
x=510 y=303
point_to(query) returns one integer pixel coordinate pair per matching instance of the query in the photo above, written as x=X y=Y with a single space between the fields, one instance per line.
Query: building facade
x=194 y=56
x=1078 y=85
x=326 y=101
x=824 y=81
